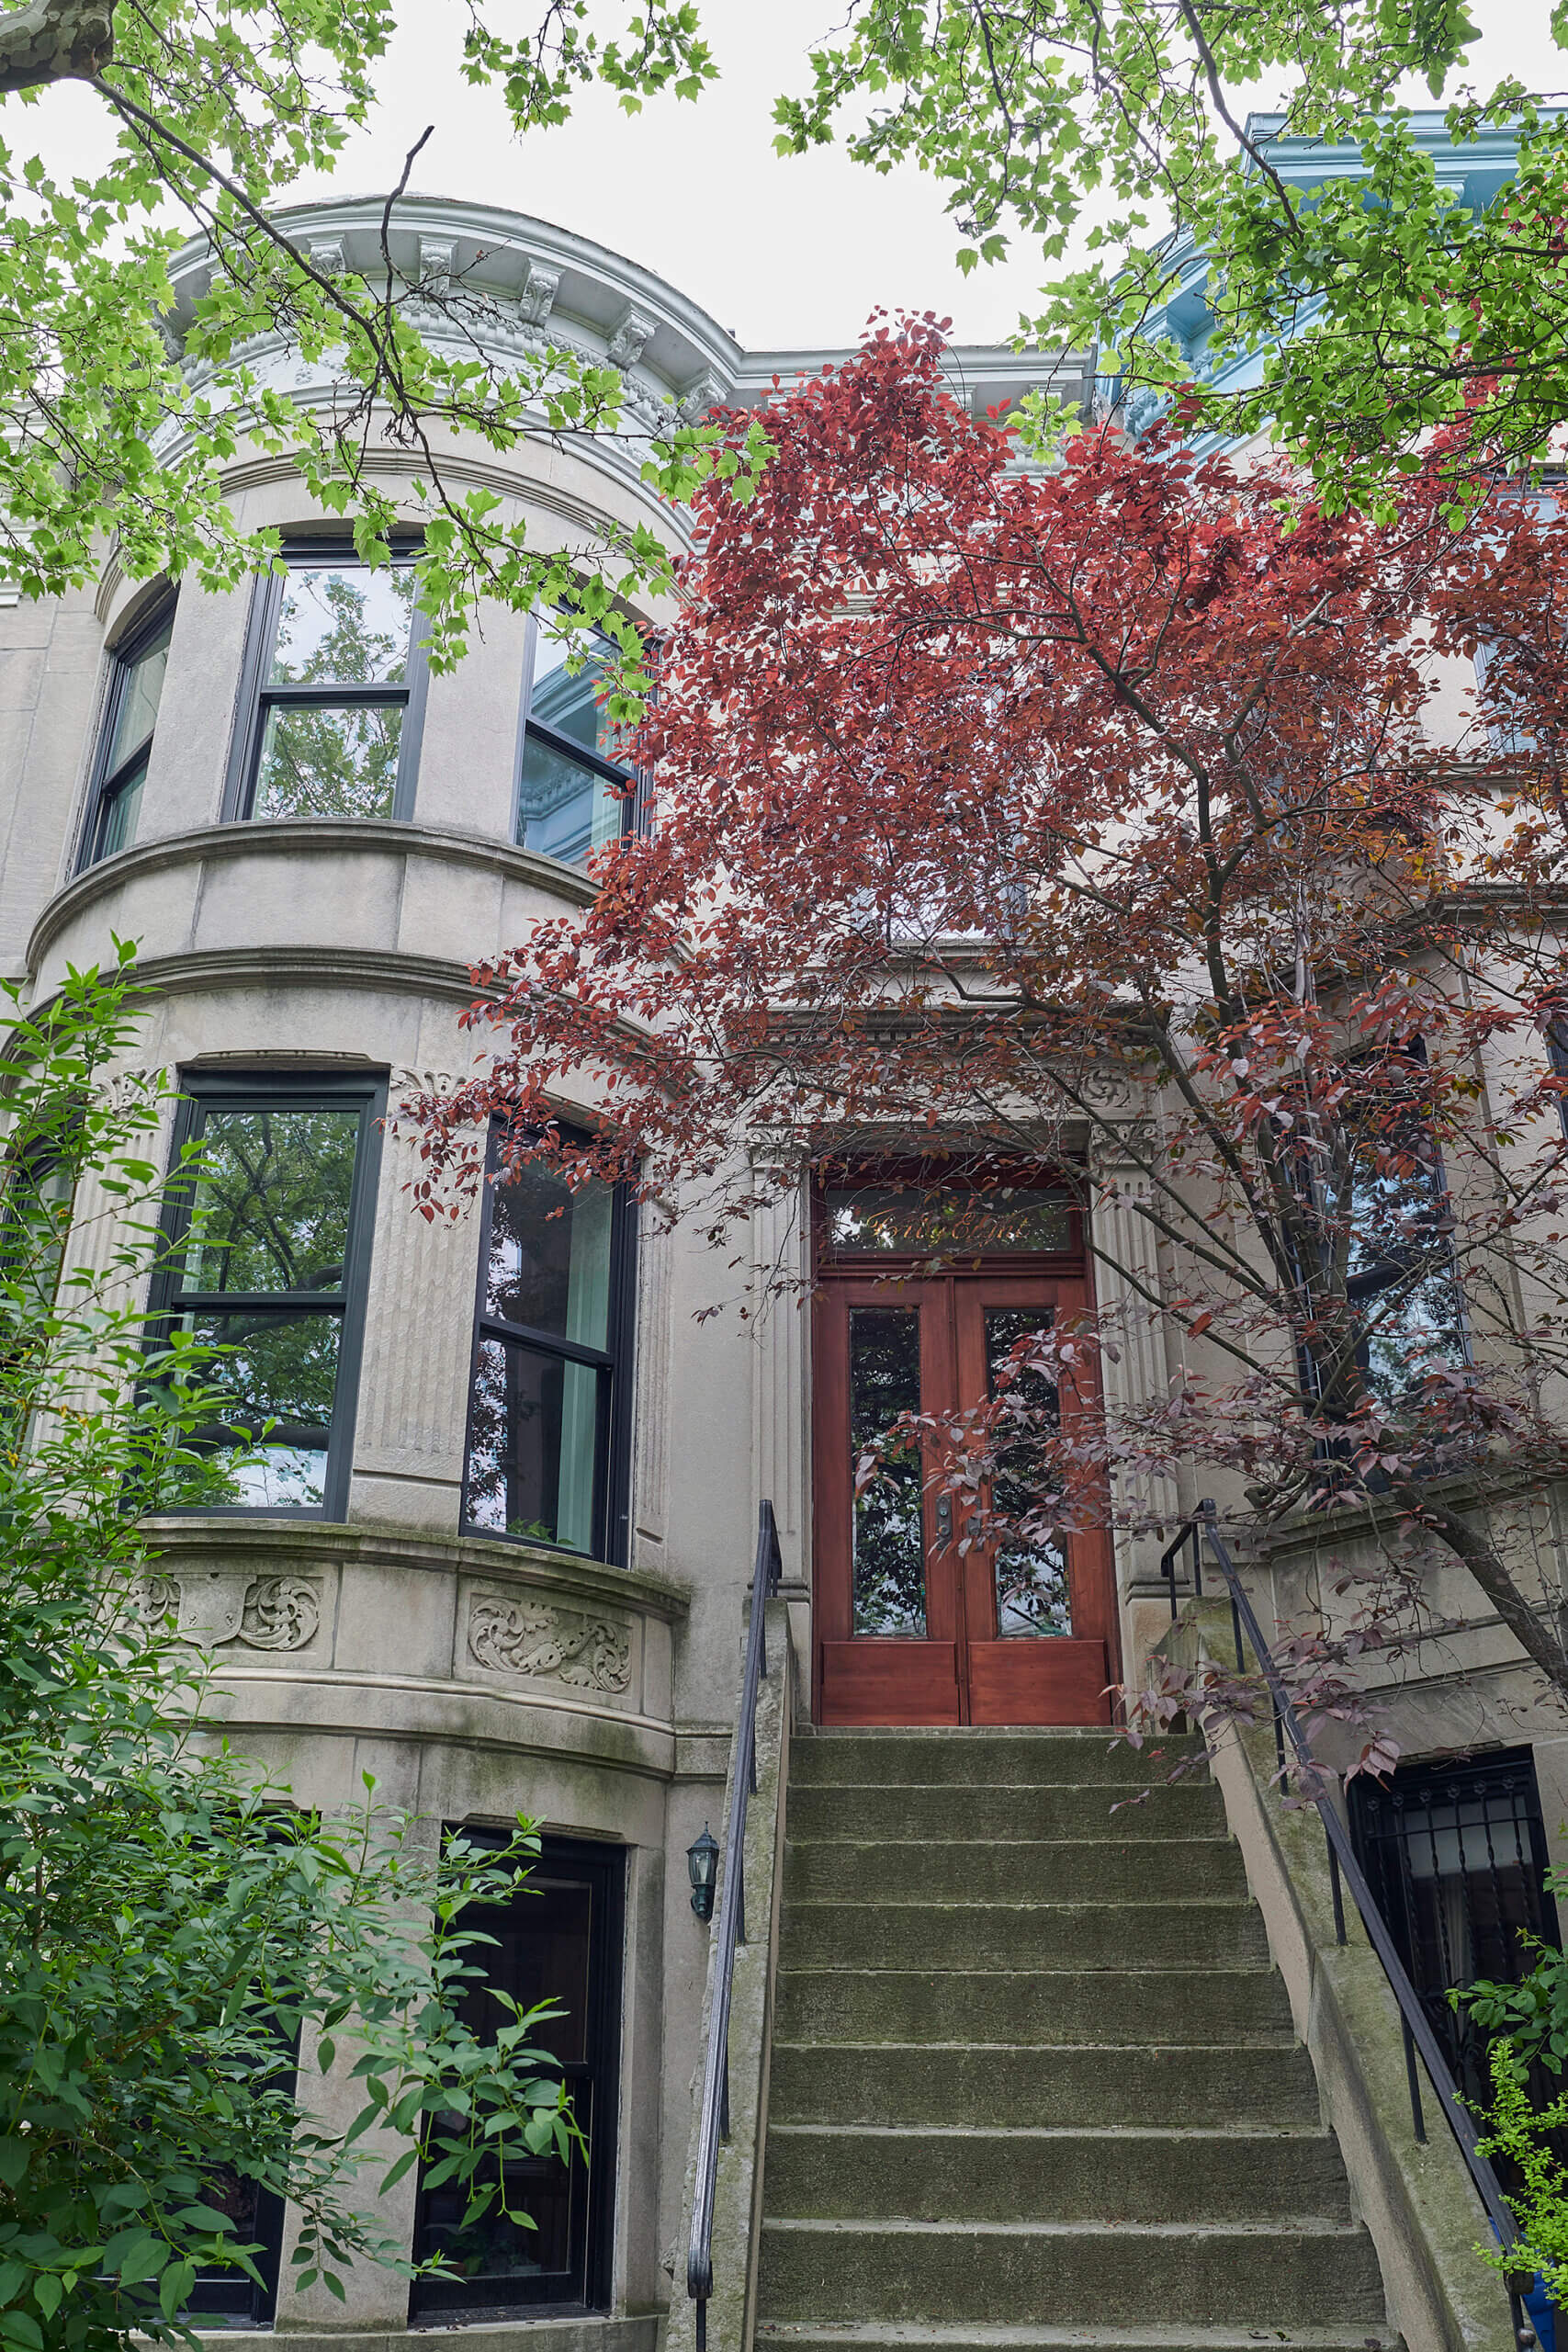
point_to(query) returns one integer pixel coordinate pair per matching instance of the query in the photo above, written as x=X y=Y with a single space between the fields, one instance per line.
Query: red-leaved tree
x=1126 y=814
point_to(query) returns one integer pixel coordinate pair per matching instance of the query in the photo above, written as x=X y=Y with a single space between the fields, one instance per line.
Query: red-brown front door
x=917 y=1622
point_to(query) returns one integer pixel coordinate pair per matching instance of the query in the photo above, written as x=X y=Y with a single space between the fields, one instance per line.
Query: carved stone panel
x=212 y=1607
x=542 y=1640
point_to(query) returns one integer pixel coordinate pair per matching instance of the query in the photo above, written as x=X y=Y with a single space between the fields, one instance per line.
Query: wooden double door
x=919 y=1620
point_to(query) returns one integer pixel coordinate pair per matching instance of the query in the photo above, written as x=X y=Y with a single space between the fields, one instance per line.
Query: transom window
x=930 y=1221
x=267 y=1263
x=335 y=693
x=575 y=789
x=124 y=744
x=547 y=1422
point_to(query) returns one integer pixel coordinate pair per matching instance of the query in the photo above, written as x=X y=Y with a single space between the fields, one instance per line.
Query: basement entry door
x=912 y=1626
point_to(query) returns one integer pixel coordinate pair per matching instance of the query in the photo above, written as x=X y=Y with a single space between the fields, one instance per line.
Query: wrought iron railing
x=730 y=1928
x=1345 y=1871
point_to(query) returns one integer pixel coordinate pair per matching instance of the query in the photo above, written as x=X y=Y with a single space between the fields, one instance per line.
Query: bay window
x=268 y=1248
x=550 y=1400
x=124 y=740
x=335 y=692
x=575 y=789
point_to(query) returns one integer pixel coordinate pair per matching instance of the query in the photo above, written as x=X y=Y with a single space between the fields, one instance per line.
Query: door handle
x=944 y=1521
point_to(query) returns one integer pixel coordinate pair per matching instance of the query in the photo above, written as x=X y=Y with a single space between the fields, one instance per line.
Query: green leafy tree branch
x=117 y=429
x=183 y=1946
x=1374 y=302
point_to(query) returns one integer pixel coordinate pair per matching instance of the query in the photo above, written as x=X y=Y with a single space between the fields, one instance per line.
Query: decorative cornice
x=546 y=285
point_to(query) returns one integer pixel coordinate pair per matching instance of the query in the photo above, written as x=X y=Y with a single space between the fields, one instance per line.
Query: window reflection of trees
x=322 y=756
x=1031 y=1571
x=265 y=1282
x=890 y=1552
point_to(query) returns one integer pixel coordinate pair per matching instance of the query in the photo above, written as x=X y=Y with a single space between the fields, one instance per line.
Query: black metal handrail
x=730 y=1928
x=1344 y=1870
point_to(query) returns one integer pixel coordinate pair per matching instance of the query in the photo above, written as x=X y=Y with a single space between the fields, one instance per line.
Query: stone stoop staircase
x=1033 y=2081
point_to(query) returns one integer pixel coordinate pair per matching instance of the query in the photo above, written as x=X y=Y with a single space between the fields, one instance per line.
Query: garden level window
x=558 y=1939
x=125 y=743
x=268 y=1255
x=334 y=692
x=1456 y=1856
x=575 y=790
x=549 y=1413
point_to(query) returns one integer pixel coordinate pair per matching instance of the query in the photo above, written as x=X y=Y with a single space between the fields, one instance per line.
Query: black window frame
x=631 y=780
x=257 y=698
x=615 y=1363
x=108 y=785
x=1378 y=1276
x=1383 y=1847
x=600 y=1863
x=1557 y=1061
x=303 y=1090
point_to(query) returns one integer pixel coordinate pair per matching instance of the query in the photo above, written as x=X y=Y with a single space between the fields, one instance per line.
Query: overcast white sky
x=783 y=251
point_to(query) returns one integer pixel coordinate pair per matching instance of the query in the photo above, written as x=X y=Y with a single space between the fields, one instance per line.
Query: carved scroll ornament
x=281 y=1612
x=535 y=1638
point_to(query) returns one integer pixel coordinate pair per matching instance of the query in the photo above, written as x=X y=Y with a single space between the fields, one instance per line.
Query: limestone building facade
x=497 y=1551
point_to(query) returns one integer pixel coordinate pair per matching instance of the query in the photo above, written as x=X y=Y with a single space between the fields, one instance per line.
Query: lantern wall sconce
x=701 y=1865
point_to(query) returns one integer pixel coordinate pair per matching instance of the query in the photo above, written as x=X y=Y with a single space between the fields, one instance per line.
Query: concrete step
x=810 y=2336
x=1003 y=1809
x=1031 y=2007
x=1271 y=2087
x=1013 y=1871
x=964 y=1757
x=1082 y=1937
x=1007 y=2273
x=831 y=2172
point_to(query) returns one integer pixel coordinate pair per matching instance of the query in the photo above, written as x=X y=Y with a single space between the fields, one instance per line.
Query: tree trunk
x=55 y=40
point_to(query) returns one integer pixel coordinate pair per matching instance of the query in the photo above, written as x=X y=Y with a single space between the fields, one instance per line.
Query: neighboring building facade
x=496 y=1550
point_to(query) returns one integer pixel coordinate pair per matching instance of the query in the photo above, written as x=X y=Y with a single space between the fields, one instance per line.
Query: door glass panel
x=1031 y=1576
x=868 y=1219
x=889 y=1548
